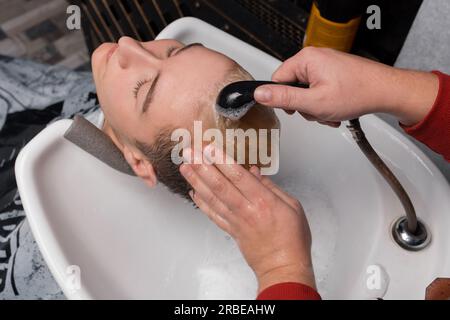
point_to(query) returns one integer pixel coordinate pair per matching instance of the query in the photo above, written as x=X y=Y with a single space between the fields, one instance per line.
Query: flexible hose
x=382 y=168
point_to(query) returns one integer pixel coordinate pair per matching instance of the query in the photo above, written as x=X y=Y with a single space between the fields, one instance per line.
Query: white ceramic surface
x=134 y=242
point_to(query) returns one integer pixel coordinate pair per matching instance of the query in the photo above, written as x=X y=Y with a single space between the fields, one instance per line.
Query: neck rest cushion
x=94 y=141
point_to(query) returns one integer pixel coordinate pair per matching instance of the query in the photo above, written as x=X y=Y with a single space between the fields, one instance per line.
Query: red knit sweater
x=434 y=131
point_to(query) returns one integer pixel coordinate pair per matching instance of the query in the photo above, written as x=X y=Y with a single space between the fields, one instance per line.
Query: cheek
x=115 y=92
x=115 y=104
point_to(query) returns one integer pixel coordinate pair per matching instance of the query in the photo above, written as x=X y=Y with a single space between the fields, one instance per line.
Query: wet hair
x=159 y=154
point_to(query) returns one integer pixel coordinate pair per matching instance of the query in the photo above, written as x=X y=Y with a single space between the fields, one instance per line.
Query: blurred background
x=36 y=30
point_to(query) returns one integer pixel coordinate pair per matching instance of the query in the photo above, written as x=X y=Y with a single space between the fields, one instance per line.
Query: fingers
x=238 y=176
x=285 y=97
x=211 y=186
x=289 y=200
x=332 y=124
x=215 y=217
x=308 y=117
x=293 y=69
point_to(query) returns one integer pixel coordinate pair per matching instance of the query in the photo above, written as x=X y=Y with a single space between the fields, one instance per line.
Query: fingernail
x=208 y=153
x=255 y=171
x=191 y=194
x=185 y=170
x=289 y=112
x=263 y=94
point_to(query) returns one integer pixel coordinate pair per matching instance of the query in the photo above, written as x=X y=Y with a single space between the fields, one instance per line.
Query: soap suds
x=235 y=113
x=322 y=221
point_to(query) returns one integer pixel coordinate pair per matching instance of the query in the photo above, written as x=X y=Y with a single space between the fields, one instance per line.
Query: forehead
x=198 y=68
x=190 y=80
x=186 y=89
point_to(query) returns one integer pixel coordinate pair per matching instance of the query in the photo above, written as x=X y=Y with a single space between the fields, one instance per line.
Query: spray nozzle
x=237 y=98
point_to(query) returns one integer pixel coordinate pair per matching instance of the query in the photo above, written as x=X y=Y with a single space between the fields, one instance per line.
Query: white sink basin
x=130 y=241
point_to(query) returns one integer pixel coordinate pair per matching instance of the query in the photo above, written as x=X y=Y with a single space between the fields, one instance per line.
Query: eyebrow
x=149 y=96
x=195 y=44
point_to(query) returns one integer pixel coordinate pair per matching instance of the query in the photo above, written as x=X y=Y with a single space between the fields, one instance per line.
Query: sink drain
x=410 y=241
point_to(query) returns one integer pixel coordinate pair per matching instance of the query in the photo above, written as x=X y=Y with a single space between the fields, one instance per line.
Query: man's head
x=148 y=89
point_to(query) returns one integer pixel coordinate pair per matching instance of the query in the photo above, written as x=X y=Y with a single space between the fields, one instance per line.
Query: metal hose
x=374 y=158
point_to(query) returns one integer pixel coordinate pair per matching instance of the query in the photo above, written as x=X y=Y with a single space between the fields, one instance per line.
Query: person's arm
x=434 y=129
x=289 y=291
x=344 y=86
x=268 y=224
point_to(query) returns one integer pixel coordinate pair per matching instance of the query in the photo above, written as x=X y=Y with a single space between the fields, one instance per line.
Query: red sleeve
x=289 y=291
x=434 y=130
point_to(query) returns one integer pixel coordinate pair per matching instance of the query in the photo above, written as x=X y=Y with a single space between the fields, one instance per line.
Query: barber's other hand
x=345 y=86
x=268 y=225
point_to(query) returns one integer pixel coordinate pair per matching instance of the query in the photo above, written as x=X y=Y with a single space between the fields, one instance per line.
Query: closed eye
x=141 y=83
x=138 y=86
x=171 y=50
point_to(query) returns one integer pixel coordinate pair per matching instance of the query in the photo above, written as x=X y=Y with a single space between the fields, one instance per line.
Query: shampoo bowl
x=129 y=241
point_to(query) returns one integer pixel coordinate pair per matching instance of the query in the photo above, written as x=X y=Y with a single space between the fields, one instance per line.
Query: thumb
x=285 y=97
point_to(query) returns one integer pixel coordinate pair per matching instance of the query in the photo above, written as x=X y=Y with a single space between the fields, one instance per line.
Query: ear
x=141 y=166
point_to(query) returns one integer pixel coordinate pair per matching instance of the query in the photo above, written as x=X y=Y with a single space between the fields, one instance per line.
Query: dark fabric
x=32 y=95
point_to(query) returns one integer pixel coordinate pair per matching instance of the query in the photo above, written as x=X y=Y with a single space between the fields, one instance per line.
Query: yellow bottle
x=332 y=28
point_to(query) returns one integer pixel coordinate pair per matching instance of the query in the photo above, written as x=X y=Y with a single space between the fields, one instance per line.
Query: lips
x=111 y=51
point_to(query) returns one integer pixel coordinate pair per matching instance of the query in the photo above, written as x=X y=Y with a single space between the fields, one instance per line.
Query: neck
x=110 y=132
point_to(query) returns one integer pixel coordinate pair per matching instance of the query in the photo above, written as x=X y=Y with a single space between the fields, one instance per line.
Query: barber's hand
x=268 y=225
x=345 y=86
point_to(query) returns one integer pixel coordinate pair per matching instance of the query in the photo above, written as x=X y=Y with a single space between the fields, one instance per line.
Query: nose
x=132 y=53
